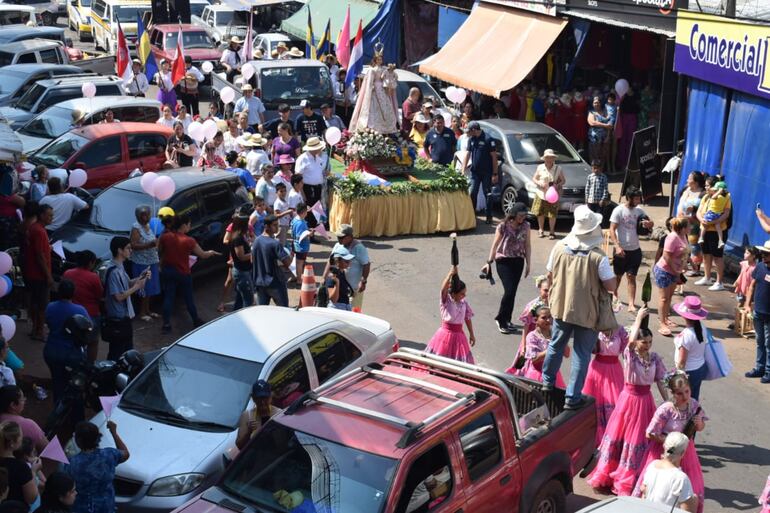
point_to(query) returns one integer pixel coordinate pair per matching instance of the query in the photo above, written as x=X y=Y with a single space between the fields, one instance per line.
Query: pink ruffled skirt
x=450 y=341
x=604 y=382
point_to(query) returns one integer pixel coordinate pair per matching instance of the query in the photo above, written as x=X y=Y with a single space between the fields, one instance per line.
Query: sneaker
x=721 y=244
x=690 y=274
x=717 y=286
x=503 y=328
x=704 y=281
x=755 y=373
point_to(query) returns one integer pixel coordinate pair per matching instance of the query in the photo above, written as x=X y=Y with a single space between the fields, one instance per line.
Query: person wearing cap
x=690 y=344
x=482 y=153
x=232 y=58
x=713 y=251
x=158 y=224
x=254 y=418
x=597 y=190
x=420 y=125
x=625 y=238
x=427 y=109
x=309 y=123
x=579 y=273
x=330 y=118
x=282 y=50
x=758 y=301
x=256 y=157
x=440 y=142
x=337 y=285
x=667 y=271
x=664 y=482
x=138 y=85
x=254 y=106
x=547 y=174
x=266 y=255
x=165 y=83
x=313 y=165
x=357 y=273
x=284 y=116
x=187 y=88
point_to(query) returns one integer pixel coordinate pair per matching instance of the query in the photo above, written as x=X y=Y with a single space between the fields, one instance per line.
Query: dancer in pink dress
x=450 y=340
x=622 y=449
x=680 y=414
x=527 y=318
x=764 y=499
x=536 y=346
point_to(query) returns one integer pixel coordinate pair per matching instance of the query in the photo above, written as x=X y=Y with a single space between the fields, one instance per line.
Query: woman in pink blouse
x=675 y=416
x=450 y=340
x=527 y=318
x=536 y=345
x=624 y=444
x=668 y=269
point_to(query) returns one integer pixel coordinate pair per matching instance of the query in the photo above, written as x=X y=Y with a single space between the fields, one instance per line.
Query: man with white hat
x=253 y=105
x=579 y=273
x=138 y=85
x=758 y=295
x=313 y=165
x=232 y=58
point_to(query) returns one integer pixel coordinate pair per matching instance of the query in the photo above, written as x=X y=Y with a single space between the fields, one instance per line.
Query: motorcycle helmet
x=79 y=328
x=132 y=361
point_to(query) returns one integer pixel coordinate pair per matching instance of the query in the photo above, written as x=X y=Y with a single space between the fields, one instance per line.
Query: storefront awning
x=495 y=49
x=323 y=10
x=616 y=22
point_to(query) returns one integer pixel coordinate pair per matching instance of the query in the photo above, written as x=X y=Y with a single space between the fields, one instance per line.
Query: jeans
x=484 y=181
x=582 y=346
x=58 y=358
x=244 y=289
x=695 y=377
x=340 y=306
x=762 y=330
x=171 y=279
x=276 y=291
x=509 y=270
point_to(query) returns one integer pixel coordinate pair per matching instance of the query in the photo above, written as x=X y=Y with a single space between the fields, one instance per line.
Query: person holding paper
x=301 y=235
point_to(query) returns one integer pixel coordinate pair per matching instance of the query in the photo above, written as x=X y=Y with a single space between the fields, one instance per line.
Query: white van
x=11 y=14
x=104 y=22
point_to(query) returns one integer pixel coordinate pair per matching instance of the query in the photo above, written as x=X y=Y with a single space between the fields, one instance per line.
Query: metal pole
x=730 y=8
x=677 y=124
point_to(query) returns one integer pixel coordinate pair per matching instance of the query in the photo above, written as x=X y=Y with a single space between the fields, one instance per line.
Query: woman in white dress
x=376 y=107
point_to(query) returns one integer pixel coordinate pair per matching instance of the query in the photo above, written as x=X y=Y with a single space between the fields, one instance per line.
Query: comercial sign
x=539 y=6
x=724 y=51
x=654 y=15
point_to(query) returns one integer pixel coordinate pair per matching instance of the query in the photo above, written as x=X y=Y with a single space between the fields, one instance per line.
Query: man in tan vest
x=579 y=273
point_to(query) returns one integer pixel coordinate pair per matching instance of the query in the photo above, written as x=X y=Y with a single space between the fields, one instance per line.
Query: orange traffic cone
x=308 y=290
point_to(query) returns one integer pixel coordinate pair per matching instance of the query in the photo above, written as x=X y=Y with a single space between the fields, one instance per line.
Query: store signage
x=642 y=170
x=724 y=51
x=654 y=15
x=539 y=6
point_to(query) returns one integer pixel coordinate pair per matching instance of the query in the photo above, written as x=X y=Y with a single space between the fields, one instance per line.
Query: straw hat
x=77 y=116
x=237 y=40
x=245 y=141
x=257 y=140
x=296 y=52
x=314 y=144
x=691 y=308
x=281 y=45
x=420 y=118
x=586 y=232
x=765 y=248
x=247 y=87
x=258 y=54
x=548 y=153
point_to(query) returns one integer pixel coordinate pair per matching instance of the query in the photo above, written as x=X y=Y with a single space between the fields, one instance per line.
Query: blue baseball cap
x=261 y=389
x=343 y=253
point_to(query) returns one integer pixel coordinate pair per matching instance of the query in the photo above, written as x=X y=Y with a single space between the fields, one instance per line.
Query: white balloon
x=207 y=67
x=247 y=70
x=227 y=94
x=210 y=128
x=449 y=93
x=195 y=130
x=333 y=135
x=88 y=89
x=621 y=87
x=456 y=94
x=147 y=180
x=78 y=178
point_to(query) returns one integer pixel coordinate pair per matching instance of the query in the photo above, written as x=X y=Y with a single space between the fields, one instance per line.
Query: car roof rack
x=376 y=369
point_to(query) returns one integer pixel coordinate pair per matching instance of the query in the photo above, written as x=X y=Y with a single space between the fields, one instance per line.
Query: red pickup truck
x=416 y=433
x=196 y=42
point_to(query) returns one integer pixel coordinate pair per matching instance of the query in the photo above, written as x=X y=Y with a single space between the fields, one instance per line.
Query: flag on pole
x=356 y=57
x=318 y=211
x=178 y=68
x=143 y=48
x=309 y=39
x=325 y=43
x=248 y=45
x=123 y=59
x=343 y=42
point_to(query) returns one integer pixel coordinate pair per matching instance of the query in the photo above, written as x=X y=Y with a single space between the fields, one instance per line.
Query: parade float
x=379 y=184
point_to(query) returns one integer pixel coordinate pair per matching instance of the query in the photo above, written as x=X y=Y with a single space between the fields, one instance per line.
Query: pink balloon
x=551 y=195
x=7 y=327
x=147 y=180
x=78 y=178
x=163 y=188
x=6 y=262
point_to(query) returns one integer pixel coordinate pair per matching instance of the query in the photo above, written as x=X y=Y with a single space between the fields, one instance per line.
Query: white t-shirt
x=61 y=174
x=164 y=121
x=255 y=159
x=282 y=206
x=312 y=168
x=626 y=219
x=294 y=199
x=605 y=269
x=64 y=205
x=696 y=351
x=669 y=486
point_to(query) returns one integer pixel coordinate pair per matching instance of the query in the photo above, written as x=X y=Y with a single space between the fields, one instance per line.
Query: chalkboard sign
x=642 y=169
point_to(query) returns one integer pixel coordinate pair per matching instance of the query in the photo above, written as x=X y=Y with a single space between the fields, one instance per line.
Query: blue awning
x=449 y=22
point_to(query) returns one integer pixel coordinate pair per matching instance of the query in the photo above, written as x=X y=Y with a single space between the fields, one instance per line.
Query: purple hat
x=285 y=159
x=691 y=308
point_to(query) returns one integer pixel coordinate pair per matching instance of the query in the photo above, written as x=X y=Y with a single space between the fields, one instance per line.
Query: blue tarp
x=744 y=165
x=449 y=21
x=386 y=29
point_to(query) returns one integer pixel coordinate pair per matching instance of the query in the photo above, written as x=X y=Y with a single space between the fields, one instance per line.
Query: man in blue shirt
x=243 y=175
x=482 y=153
x=759 y=295
x=254 y=106
x=440 y=142
x=269 y=279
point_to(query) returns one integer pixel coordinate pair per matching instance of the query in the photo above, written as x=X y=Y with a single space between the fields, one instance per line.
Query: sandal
x=552 y=237
x=663 y=330
x=540 y=234
x=671 y=324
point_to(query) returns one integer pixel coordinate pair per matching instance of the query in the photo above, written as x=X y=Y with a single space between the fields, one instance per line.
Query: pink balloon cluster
x=159 y=187
x=552 y=195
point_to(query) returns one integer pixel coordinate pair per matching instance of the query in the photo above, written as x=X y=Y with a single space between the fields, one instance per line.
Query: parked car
x=208 y=198
x=222 y=22
x=521 y=144
x=53 y=52
x=16 y=79
x=11 y=14
x=14 y=33
x=628 y=505
x=268 y=42
x=79 y=17
x=406 y=81
x=105 y=15
x=196 y=42
x=192 y=412
x=55 y=90
x=197 y=6
x=368 y=439
x=48 y=10
x=57 y=119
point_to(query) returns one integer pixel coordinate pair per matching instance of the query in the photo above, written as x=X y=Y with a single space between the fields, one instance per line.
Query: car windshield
x=85 y=3
x=224 y=18
x=30 y=98
x=296 y=83
x=197 y=9
x=128 y=14
x=10 y=81
x=56 y=153
x=193 y=388
x=330 y=476
x=528 y=148
x=191 y=39
x=113 y=209
x=402 y=92
x=50 y=123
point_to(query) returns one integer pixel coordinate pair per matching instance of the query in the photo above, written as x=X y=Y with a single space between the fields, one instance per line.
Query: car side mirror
x=121 y=382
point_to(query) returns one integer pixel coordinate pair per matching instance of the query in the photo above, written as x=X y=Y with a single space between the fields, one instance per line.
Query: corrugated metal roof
x=758 y=10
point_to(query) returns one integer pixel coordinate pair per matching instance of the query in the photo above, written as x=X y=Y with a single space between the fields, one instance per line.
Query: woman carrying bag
x=690 y=344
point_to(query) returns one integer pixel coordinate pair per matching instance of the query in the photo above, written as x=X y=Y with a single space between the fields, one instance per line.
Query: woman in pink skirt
x=527 y=318
x=450 y=339
x=674 y=416
x=764 y=499
x=621 y=452
x=536 y=346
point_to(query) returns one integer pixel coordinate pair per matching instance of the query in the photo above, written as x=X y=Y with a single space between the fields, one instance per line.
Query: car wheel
x=510 y=197
x=550 y=498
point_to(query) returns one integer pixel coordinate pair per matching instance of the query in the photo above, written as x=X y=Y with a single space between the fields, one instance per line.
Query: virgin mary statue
x=377 y=107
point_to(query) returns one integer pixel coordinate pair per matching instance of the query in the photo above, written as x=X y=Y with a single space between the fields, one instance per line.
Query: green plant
x=353 y=187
